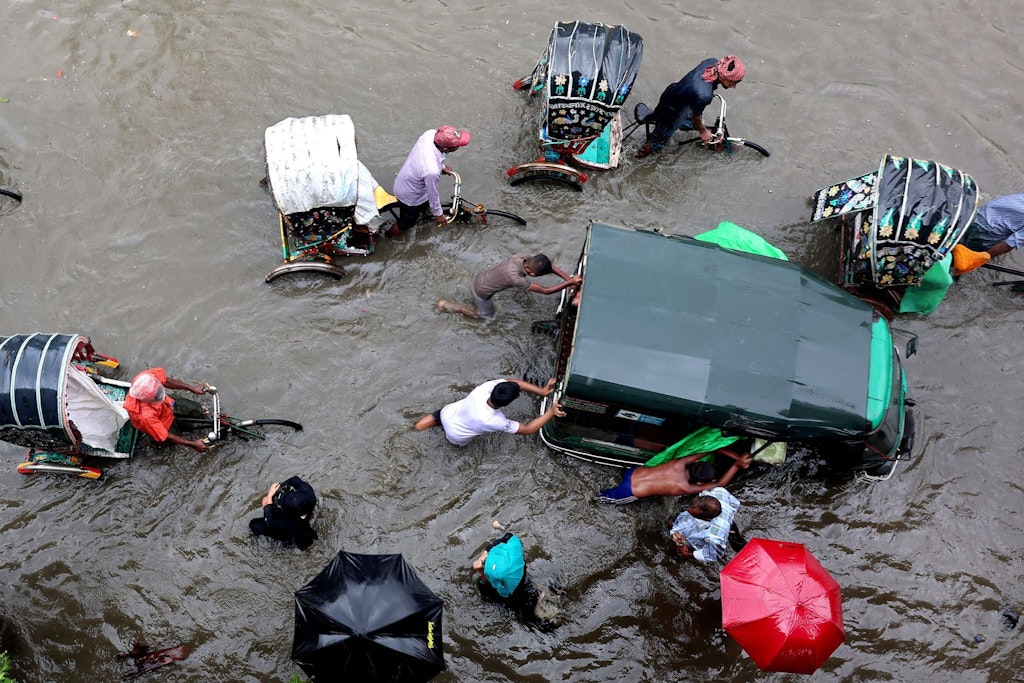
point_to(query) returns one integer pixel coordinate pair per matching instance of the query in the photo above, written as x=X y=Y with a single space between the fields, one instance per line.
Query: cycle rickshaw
x=329 y=205
x=583 y=78
x=721 y=139
x=898 y=225
x=56 y=400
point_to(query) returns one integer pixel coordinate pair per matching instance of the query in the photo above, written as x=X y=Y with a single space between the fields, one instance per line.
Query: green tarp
x=732 y=236
x=925 y=297
x=704 y=440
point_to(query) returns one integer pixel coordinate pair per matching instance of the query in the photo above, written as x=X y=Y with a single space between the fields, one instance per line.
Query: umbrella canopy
x=781 y=606
x=368 y=618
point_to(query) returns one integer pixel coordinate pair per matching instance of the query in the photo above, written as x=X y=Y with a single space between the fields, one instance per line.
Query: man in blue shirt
x=682 y=104
x=998 y=227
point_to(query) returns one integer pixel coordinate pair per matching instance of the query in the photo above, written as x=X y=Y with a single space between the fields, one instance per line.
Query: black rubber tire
x=466 y=215
x=11 y=194
x=746 y=143
x=546 y=177
x=280 y=423
x=506 y=214
x=906 y=449
x=758 y=147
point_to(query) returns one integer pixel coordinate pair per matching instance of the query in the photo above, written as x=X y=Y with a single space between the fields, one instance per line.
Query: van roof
x=737 y=340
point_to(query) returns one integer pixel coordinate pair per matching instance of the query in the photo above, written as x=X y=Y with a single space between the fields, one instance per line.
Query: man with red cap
x=416 y=185
x=682 y=104
x=151 y=410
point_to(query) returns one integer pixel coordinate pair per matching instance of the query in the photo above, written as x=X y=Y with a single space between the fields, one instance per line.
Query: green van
x=669 y=334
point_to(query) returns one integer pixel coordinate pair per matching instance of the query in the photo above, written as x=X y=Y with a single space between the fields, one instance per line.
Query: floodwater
x=134 y=130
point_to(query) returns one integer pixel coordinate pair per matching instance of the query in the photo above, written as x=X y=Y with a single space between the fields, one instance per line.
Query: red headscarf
x=730 y=68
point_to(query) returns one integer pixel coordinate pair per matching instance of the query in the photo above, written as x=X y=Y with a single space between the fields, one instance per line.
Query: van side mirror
x=911 y=348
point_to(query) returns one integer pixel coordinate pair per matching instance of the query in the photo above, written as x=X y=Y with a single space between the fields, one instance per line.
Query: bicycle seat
x=642 y=113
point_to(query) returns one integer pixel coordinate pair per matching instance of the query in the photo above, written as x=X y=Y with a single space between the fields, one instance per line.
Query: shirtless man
x=681 y=477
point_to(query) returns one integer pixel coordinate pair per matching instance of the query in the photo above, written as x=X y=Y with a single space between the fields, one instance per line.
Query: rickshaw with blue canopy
x=58 y=400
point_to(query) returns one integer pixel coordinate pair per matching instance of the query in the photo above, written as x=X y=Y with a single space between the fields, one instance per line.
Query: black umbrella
x=368 y=618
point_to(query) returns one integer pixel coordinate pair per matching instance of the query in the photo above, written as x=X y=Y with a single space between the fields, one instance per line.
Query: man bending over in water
x=480 y=412
x=680 y=477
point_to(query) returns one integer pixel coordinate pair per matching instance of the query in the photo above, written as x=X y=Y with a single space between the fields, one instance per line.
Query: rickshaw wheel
x=548 y=176
x=883 y=309
x=481 y=213
x=337 y=272
x=78 y=470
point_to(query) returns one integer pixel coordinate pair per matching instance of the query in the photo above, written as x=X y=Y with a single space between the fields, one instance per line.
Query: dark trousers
x=408 y=215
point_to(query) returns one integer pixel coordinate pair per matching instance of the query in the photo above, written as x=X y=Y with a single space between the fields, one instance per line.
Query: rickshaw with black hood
x=583 y=79
x=897 y=228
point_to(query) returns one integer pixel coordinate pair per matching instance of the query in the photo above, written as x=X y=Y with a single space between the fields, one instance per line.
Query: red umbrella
x=781 y=606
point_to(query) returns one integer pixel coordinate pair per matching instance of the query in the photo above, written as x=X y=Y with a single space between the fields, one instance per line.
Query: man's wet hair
x=504 y=393
x=705 y=507
x=539 y=264
x=703 y=472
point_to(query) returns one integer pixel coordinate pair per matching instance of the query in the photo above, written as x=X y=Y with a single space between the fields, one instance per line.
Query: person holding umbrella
x=368 y=618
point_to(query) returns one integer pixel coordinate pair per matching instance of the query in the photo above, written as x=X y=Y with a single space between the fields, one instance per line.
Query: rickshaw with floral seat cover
x=898 y=225
x=583 y=77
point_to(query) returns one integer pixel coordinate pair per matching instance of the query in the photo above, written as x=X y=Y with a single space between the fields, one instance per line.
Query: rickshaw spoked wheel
x=329 y=269
x=481 y=212
x=57 y=463
x=548 y=176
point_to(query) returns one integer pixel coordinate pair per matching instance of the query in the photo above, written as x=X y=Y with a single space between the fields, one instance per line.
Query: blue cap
x=505 y=566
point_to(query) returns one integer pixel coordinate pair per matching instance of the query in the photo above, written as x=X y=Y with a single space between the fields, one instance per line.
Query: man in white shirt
x=480 y=412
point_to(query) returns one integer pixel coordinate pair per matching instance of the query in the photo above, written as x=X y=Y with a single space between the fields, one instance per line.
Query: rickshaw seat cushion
x=383 y=197
x=642 y=113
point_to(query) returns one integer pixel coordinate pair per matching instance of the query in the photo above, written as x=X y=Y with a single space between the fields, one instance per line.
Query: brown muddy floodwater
x=135 y=132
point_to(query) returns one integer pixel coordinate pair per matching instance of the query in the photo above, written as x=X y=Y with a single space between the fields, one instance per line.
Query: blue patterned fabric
x=1001 y=219
x=709 y=539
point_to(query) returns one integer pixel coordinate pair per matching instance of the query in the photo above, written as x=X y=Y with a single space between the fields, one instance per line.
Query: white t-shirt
x=472 y=416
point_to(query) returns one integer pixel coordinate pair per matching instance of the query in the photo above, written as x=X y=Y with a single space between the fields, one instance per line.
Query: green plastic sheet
x=704 y=440
x=732 y=236
x=925 y=297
